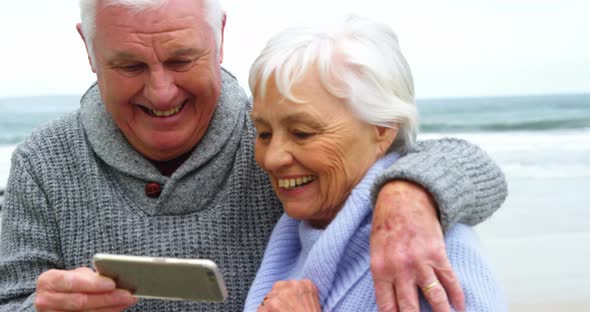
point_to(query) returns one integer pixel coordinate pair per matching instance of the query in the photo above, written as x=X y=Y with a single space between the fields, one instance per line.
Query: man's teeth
x=166 y=113
x=292 y=183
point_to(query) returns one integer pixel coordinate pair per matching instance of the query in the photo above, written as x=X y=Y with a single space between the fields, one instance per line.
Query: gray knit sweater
x=76 y=188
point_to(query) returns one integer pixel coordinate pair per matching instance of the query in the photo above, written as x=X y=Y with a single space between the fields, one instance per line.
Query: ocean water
x=530 y=136
x=18 y=116
x=501 y=115
x=538 y=241
x=505 y=114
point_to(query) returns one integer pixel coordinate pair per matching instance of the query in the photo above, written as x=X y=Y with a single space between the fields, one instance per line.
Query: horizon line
x=13 y=97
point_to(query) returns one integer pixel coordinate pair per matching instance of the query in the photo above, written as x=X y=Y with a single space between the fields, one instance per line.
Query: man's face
x=159 y=75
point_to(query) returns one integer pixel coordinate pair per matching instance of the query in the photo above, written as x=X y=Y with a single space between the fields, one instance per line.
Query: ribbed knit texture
x=65 y=204
x=338 y=259
x=469 y=185
x=338 y=262
x=308 y=235
x=76 y=188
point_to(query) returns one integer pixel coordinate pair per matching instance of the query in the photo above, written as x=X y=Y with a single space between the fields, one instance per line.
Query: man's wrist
x=400 y=189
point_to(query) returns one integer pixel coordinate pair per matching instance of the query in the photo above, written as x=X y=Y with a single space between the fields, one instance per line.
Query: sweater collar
x=337 y=259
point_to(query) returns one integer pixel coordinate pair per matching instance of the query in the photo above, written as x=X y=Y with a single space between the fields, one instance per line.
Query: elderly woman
x=332 y=108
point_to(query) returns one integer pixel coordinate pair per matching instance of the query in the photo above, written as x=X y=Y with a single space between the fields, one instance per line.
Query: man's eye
x=132 y=68
x=179 y=65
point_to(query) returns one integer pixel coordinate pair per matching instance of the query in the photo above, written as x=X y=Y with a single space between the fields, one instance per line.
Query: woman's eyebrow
x=257 y=119
x=299 y=117
x=303 y=117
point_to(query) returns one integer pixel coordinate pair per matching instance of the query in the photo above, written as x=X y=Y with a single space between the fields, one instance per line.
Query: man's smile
x=163 y=113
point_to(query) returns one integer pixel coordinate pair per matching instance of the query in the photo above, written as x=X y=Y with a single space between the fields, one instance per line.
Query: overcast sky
x=455 y=47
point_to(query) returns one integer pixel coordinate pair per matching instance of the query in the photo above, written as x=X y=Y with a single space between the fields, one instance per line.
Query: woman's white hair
x=358 y=61
x=214 y=16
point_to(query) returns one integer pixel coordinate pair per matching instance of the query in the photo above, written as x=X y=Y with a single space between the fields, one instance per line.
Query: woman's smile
x=291 y=183
x=315 y=150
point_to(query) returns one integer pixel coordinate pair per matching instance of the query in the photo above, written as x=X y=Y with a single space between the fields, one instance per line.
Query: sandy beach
x=539 y=241
x=538 y=245
x=552 y=307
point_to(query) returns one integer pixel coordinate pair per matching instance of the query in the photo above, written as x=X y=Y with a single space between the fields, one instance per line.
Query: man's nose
x=160 y=88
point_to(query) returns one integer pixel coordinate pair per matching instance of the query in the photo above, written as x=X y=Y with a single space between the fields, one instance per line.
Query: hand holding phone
x=164 y=278
x=79 y=289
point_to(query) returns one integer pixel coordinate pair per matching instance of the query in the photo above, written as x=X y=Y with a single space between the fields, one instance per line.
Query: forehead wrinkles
x=163 y=42
x=168 y=17
x=132 y=24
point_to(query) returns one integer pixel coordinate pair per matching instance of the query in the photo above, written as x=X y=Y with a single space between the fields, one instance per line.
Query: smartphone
x=164 y=278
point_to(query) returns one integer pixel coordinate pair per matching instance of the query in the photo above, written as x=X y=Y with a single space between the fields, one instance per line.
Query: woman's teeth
x=292 y=183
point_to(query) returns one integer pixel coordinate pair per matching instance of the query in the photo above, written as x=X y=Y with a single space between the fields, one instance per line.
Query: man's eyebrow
x=185 y=52
x=121 y=57
x=128 y=56
x=124 y=55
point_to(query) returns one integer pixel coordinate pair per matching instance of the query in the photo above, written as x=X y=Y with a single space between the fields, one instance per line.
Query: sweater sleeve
x=467 y=185
x=29 y=241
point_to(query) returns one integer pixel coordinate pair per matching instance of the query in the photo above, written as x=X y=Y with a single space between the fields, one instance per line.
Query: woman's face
x=315 y=152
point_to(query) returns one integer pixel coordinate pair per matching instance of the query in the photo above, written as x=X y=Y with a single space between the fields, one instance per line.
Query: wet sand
x=539 y=244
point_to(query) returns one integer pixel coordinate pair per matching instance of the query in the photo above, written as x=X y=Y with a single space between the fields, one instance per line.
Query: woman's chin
x=295 y=213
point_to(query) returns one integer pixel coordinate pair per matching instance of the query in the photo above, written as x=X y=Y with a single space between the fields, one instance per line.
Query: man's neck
x=168 y=167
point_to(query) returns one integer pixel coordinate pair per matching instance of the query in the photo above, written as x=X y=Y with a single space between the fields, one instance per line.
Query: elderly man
x=158 y=161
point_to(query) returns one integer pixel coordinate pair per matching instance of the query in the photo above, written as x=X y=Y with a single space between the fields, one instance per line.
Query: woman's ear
x=384 y=138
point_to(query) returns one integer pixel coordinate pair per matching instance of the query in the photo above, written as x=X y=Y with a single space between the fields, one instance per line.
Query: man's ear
x=79 y=28
x=384 y=138
x=221 y=43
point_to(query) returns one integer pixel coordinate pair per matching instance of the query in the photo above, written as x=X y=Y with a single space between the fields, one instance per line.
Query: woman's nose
x=277 y=155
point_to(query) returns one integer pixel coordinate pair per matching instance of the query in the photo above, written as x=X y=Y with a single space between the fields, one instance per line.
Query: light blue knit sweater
x=338 y=262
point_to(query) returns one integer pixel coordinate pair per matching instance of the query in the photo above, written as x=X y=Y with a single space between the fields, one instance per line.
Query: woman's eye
x=264 y=135
x=302 y=134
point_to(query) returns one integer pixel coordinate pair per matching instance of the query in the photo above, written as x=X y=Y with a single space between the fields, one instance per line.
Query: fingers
x=433 y=290
x=451 y=283
x=83 y=302
x=291 y=296
x=382 y=268
x=79 y=280
x=311 y=294
x=79 y=289
x=113 y=309
x=407 y=295
x=385 y=296
x=407 y=250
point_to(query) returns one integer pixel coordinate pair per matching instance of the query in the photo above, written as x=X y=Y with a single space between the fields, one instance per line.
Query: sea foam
x=539 y=154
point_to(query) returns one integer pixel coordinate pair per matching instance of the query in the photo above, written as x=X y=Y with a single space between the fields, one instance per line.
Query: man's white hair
x=358 y=61
x=214 y=16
